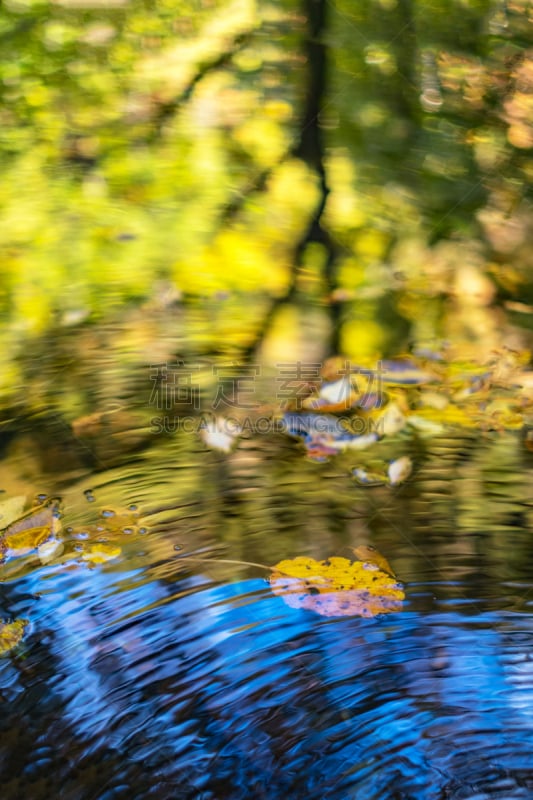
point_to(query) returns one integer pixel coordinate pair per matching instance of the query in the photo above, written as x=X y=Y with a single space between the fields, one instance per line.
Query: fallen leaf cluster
x=353 y=407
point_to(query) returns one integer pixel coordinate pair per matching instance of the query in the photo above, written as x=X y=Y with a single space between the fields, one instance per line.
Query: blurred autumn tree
x=369 y=161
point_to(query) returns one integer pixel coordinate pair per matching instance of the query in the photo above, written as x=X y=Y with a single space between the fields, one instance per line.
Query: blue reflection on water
x=196 y=690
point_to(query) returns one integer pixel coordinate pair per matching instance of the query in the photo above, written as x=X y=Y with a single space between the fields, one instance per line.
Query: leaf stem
x=226 y=561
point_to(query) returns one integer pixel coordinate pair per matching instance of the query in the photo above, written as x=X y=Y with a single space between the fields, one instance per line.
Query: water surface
x=154 y=676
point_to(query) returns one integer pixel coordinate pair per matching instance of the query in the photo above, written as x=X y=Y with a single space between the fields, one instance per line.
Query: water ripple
x=196 y=689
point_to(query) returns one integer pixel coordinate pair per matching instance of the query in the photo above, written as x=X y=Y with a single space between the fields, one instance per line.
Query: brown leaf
x=371 y=555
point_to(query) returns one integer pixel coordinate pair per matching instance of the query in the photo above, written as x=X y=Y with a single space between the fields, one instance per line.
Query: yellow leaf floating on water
x=29 y=531
x=10 y=634
x=452 y=415
x=338 y=586
x=100 y=552
x=24 y=541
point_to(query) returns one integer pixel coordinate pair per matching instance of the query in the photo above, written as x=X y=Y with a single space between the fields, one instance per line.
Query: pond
x=266 y=409
x=152 y=674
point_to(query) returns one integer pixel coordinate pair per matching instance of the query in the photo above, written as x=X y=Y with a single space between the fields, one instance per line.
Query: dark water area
x=151 y=675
